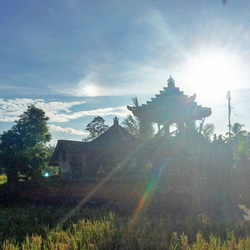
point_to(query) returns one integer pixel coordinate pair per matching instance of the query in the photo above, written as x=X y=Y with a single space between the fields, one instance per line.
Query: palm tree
x=141 y=128
x=239 y=141
x=131 y=124
x=236 y=133
x=208 y=131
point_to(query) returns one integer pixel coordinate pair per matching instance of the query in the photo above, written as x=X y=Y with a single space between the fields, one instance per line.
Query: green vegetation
x=96 y=226
x=3 y=179
x=95 y=128
x=191 y=186
x=23 y=147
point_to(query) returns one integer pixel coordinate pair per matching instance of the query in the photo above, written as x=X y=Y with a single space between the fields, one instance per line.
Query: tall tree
x=21 y=147
x=96 y=127
x=131 y=124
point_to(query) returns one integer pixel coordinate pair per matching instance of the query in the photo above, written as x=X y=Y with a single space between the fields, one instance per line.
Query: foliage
x=132 y=126
x=48 y=152
x=239 y=141
x=208 y=131
x=41 y=226
x=140 y=128
x=22 y=147
x=96 y=127
x=3 y=179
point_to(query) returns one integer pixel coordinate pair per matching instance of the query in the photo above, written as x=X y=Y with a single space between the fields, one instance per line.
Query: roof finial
x=116 y=121
x=171 y=82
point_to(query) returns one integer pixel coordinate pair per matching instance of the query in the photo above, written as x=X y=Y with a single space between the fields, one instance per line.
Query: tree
x=141 y=128
x=131 y=124
x=21 y=148
x=47 y=154
x=239 y=142
x=208 y=131
x=96 y=127
x=237 y=134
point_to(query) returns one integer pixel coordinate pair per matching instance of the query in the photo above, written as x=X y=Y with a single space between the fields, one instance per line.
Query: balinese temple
x=171 y=106
x=77 y=159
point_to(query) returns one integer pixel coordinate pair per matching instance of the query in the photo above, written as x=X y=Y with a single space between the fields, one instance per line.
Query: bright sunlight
x=211 y=74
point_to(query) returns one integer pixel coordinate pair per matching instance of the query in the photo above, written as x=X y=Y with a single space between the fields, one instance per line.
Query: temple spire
x=116 y=121
x=171 y=82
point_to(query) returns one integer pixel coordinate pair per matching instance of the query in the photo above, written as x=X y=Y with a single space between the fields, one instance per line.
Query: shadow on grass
x=20 y=217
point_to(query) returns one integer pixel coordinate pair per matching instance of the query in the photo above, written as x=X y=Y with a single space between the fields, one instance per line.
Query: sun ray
x=96 y=188
x=146 y=197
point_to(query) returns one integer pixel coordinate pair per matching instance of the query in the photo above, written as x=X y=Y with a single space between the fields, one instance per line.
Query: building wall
x=125 y=195
x=72 y=165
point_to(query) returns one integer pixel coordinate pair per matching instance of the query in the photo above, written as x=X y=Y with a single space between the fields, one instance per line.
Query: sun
x=90 y=90
x=211 y=74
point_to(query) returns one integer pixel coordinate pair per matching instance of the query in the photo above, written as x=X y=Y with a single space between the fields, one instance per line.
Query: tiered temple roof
x=171 y=106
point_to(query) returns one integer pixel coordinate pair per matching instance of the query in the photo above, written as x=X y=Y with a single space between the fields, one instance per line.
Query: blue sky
x=77 y=59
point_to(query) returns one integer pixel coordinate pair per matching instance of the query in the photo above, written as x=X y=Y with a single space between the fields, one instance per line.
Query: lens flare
x=146 y=198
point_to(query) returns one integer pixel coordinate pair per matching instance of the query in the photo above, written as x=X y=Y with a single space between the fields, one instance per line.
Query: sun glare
x=211 y=75
x=90 y=90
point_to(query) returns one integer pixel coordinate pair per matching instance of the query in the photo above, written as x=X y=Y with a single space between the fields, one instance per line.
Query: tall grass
x=42 y=226
x=114 y=233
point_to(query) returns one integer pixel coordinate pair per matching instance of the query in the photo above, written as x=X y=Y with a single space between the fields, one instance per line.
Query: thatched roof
x=72 y=147
x=114 y=138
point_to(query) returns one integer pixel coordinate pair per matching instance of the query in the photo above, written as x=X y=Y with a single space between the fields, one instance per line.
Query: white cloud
x=54 y=128
x=11 y=109
x=118 y=111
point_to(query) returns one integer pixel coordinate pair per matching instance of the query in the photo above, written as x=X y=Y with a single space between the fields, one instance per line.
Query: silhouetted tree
x=238 y=139
x=96 y=127
x=131 y=124
x=21 y=147
x=208 y=130
x=141 y=128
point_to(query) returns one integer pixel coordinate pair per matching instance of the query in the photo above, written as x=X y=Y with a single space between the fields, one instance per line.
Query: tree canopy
x=22 y=147
x=96 y=127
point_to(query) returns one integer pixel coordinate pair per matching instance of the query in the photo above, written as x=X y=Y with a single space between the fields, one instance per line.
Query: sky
x=77 y=59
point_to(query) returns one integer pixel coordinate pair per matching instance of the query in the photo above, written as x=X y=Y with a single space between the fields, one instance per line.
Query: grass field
x=98 y=225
